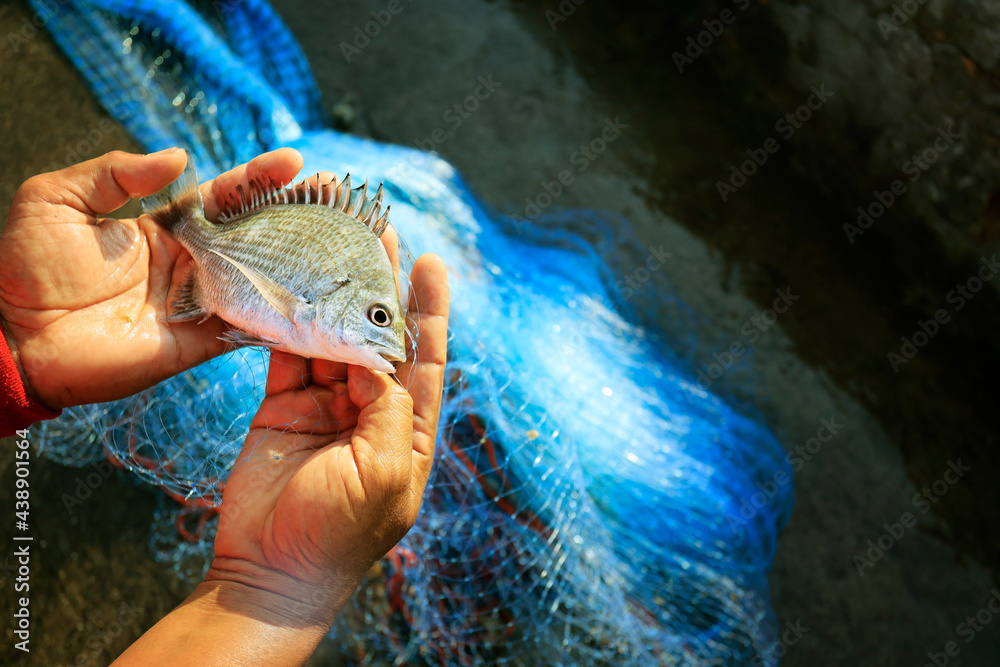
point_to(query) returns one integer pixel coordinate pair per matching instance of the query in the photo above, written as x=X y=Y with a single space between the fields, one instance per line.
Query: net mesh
x=586 y=504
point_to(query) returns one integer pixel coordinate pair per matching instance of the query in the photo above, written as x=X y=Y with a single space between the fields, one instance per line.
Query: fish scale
x=300 y=269
x=266 y=241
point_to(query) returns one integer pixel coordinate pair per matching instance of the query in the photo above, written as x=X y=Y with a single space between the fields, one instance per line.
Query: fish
x=300 y=269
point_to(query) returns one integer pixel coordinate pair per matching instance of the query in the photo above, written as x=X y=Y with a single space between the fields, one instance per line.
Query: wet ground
x=555 y=83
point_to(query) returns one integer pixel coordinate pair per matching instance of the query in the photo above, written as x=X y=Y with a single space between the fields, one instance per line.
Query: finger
x=423 y=372
x=279 y=166
x=99 y=186
x=328 y=373
x=316 y=410
x=286 y=372
x=324 y=177
x=382 y=440
x=390 y=239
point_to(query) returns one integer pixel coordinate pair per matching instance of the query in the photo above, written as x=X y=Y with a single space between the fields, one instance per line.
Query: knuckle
x=38 y=188
x=34 y=184
x=401 y=397
x=36 y=181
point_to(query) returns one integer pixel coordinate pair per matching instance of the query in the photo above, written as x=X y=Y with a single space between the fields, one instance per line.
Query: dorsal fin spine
x=340 y=197
x=345 y=200
x=336 y=194
x=362 y=199
x=365 y=213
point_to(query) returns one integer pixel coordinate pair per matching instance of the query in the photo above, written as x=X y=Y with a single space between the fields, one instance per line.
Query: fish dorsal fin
x=283 y=300
x=336 y=194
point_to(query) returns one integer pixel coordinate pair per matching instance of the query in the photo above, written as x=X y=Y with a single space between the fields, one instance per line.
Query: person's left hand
x=82 y=298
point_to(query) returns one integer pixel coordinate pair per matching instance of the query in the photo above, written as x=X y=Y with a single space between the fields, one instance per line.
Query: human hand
x=333 y=471
x=81 y=298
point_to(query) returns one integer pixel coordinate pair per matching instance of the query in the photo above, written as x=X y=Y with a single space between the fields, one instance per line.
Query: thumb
x=99 y=186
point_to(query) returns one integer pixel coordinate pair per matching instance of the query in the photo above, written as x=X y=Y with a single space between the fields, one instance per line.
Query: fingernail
x=165 y=151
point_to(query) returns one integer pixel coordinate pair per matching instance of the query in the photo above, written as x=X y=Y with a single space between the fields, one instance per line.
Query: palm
x=99 y=317
x=325 y=491
x=85 y=299
x=289 y=488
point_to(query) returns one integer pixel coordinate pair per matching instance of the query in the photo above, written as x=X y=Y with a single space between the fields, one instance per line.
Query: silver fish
x=299 y=269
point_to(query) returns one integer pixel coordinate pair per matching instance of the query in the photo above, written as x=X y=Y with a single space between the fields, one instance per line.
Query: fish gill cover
x=583 y=504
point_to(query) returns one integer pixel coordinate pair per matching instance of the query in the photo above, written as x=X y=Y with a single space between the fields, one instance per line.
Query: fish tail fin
x=179 y=203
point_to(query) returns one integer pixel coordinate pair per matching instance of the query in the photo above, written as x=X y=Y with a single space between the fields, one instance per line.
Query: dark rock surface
x=902 y=72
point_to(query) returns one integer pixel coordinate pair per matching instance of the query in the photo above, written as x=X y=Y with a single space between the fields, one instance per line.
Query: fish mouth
x=387 y=357
x=393 y=358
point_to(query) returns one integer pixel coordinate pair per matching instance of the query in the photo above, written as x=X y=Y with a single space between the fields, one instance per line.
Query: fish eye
x=379 y=315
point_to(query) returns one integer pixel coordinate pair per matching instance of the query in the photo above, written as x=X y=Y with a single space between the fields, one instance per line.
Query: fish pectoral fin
x=280 y=297
x=242 y=339
x=186 y=316
x=184 y=308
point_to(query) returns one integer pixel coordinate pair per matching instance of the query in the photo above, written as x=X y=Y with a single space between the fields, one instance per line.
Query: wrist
x=15 y=354
x=241 y=614
x=14 y=350
x=276 y=597
x=19 y=409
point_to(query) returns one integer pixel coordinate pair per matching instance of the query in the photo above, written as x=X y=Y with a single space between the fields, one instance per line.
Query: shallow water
x=823 y=359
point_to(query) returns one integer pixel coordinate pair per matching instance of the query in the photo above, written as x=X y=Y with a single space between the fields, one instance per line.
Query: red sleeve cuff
x=17 y=409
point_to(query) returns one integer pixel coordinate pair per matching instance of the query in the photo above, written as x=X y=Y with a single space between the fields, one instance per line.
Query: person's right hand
x=330 y=477
x=82 y=298
x=333 y=471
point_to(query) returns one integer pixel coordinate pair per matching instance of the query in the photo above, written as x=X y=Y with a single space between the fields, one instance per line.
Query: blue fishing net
x=584 y=506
